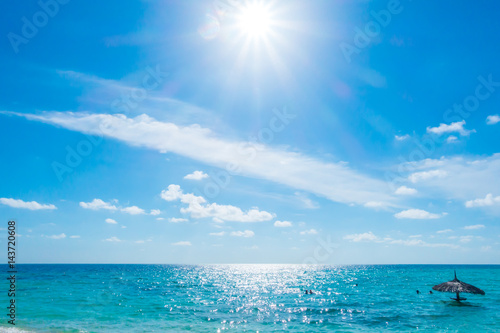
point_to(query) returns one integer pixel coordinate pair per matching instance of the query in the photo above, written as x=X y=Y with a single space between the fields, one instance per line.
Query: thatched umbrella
x=457 y=286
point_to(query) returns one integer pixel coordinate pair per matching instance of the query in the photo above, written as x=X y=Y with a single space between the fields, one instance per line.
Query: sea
x=248 y=298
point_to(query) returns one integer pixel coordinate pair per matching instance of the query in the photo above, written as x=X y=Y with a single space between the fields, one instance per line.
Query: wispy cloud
x=177 y=220
x=377 y=204
x=444 y=231
x=155 y=212
x=335 y=181
x=474 y=227
x=417 y=214
x=199 y=208
x=97 y=204
x=182 y=243
x=419 y=242
x=468 y=238
x=457 y=127
x=197 y=175
x=305 y=201
x=402 y=137
x=309 y=232
x=141 y=241
x=412 y=241
x=220 y=234
x=364 y=237
x=113 y=239
x=111 y=221
x=60 y=236
x=31 y=205
x=425 y=175
x=246 y=233
x=460 y=178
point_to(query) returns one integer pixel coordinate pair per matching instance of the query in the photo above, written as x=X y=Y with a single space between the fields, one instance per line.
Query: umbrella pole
x=458 y=297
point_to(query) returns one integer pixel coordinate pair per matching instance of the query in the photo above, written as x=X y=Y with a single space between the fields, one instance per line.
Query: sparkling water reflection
x=122 y=298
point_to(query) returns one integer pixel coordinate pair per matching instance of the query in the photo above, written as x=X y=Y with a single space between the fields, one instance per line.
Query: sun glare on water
x=255 y=20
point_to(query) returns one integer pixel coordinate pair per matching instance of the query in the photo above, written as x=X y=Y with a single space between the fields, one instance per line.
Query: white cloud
x=493 y=119
x=364 y=237
x=425 y=175
x=155 y=212
x=377 y=204
x=31 y=205
x=467 y=177
x=177 y=220
x=402 y=137
x=427 y=163
x=97 y=204
x=335 y=181
x=444 y=231
x=61 y=236
x=451 y=139
x=198 y=208
x=246 y=233
x=74 y=236
x=111 y=221
x=113 y=239
x=474 y=227
x=489 y=200
x=419 y=242
x=453 y=127
x=222 y=233
x=309 y=232
x=133 y=210
x=469 y=238
x=182 y=243
x=417 y=214
x=413 y=241
x=282 y=224
x=197 y=175
x=403 y=190
x=305 y=201
x=160 y=218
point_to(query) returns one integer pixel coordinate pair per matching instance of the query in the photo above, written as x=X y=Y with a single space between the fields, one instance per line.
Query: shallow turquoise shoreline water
x=264 y=298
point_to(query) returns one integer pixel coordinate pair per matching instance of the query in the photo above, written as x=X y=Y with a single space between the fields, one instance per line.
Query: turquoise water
x=264 y=298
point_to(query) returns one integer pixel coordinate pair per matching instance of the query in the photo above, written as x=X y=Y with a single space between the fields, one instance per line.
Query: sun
x=255 y=20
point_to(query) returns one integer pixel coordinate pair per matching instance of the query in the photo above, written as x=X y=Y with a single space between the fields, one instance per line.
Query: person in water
x=430 y=292
x=418 y=292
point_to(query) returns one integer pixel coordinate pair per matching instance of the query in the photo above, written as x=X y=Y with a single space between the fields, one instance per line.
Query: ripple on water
x=253 y=297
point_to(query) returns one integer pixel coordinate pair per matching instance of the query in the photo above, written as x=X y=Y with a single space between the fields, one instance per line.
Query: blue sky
x=335 y=132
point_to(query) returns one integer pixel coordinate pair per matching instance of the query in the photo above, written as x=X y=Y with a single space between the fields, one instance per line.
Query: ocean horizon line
x=287 y=264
